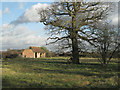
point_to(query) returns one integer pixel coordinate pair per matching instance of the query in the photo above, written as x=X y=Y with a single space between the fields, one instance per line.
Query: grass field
x=57 y=73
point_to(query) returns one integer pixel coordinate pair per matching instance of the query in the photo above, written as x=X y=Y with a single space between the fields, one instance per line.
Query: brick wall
x=38 y=55
x=43 y=55
x=28 y=53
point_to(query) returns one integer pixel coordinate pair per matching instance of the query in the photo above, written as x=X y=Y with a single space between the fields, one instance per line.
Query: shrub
x=10 y=54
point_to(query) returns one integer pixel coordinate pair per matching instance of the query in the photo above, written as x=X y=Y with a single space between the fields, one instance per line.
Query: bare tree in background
x=107 y=41
x=73 y=22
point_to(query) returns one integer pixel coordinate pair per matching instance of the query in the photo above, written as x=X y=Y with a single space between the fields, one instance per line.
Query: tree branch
x=57 y=39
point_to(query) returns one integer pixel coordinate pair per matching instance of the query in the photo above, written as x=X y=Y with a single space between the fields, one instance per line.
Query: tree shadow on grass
x=91 y=66
x=101 y=67
x=30 y=61
x=62 y=67
x=56 y=62
x=96 y=69
x=73 y=73
x=16 y=83
x=7 y=84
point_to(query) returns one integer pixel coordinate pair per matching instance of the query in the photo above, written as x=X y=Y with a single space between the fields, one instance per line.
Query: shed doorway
x=36 y=55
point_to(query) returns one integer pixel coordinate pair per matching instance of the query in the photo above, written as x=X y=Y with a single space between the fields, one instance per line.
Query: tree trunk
x=104 y=58
x=74 y=34
x=75 y=53
x=104 y=62
x=74 y=38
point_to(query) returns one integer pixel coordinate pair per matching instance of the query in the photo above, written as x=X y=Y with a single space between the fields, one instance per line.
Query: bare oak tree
x=73 y=21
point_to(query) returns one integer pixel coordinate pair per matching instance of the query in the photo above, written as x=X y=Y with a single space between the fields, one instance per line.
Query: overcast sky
x=20 y=26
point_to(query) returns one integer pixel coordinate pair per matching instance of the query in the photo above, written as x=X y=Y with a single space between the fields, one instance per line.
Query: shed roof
x=36 y=49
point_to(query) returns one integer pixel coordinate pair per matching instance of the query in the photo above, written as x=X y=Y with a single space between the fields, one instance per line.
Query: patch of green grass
x=57 y=73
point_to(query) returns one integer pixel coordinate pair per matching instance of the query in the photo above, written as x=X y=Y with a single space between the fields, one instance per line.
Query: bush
x=10 y=54
x=48 y=53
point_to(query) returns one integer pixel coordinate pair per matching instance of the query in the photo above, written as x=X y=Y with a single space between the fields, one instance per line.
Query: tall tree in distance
x=107 y=41
x=73 y=22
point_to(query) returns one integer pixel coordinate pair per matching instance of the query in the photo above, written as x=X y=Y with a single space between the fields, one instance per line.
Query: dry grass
x=56 y=73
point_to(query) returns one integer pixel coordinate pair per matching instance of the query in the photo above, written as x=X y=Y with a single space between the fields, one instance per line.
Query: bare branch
x=56 y=39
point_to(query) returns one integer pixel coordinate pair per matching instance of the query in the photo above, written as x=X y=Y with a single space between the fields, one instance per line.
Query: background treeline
x=88 y=54
x=17 y=53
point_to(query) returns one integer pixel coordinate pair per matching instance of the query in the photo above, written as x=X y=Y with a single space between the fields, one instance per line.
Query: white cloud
x=115 y=19
x=30 y=15
x=6 y=10
x=14 y=35
x=20 y=37
x=7 y=26
x=114 y=14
